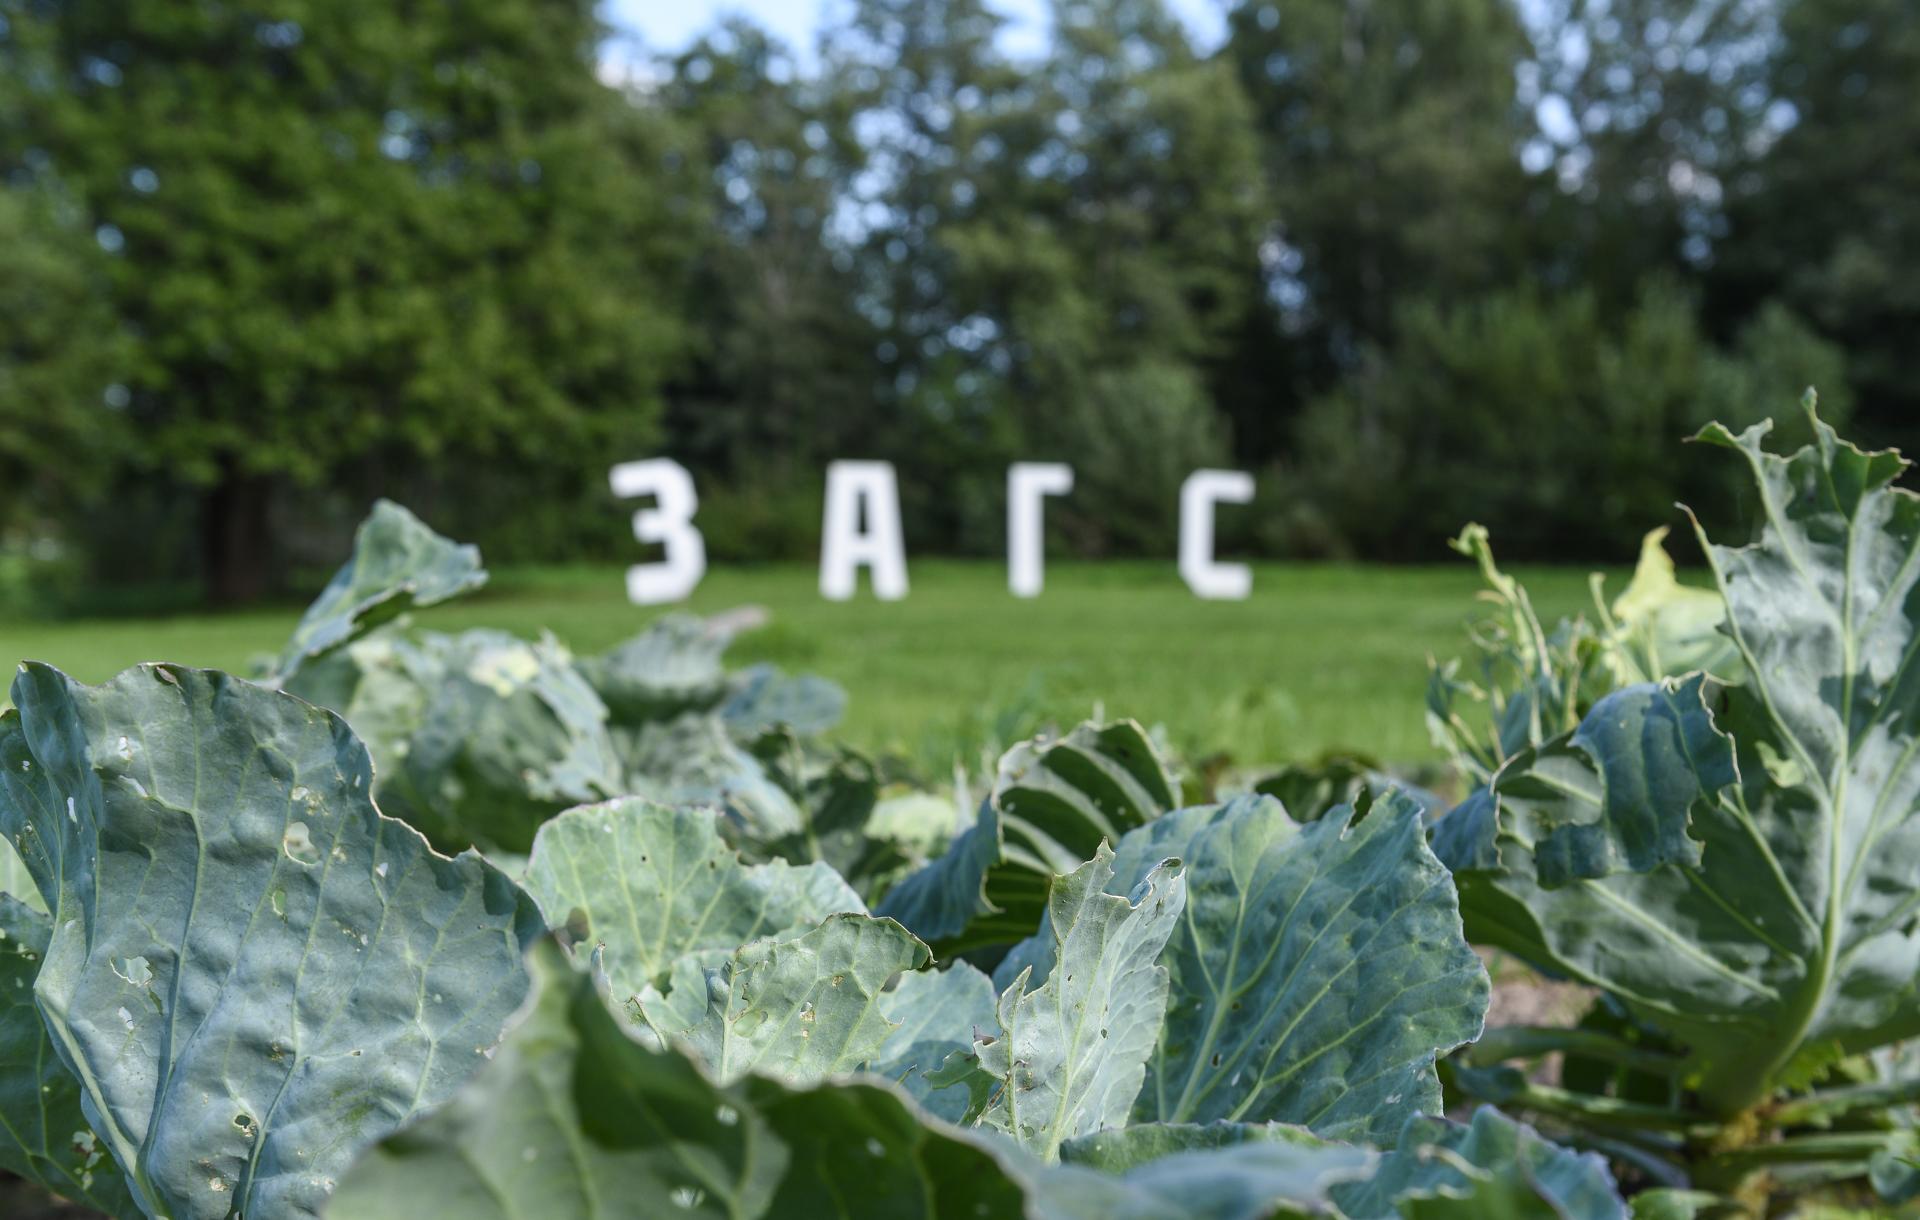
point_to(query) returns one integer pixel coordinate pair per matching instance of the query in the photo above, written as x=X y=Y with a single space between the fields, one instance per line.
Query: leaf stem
x=1628 y=1119
x=1830 y=1103
x=1532 y=1041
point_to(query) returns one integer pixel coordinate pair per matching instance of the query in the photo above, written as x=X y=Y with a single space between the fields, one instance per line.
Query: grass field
x=1320 y=657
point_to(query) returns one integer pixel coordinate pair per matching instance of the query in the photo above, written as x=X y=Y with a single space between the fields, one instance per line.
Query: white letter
x=669 y=523
x=1202 y=490
x=852 y=486
x=1027 y=482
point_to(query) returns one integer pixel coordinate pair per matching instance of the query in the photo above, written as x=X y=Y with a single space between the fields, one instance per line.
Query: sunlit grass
x=1321 y=657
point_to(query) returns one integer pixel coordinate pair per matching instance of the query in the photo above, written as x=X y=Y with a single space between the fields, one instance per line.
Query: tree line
x=1410 y=262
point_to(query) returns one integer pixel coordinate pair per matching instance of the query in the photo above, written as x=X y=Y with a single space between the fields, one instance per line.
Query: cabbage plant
x=1732 y=863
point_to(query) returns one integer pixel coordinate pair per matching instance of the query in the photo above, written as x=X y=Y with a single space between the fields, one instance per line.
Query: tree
x=60 y=366
x=1825 y=213
x=782 y=376
x=346 y=232
x=1642 y=110
x=1557 y=429
x=945 y=120
x=1057 y=254
x=1389 y=129
x=1122 y=262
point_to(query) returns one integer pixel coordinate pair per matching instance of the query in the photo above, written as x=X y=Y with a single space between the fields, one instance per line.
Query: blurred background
x=1412 y=262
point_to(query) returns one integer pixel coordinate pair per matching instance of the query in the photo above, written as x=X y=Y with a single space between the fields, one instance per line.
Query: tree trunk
x=236 y=546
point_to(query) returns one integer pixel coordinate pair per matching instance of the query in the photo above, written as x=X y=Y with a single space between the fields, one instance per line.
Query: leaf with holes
x=801 y=1009
x=655 y=885
x=251 y=971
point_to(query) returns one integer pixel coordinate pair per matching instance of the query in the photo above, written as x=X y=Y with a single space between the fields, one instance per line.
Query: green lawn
x=1320 y=657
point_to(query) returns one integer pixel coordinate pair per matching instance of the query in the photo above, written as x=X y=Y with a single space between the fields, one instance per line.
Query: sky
x=669 y=25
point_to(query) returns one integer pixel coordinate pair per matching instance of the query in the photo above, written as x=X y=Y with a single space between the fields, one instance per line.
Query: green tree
x=946 y=122
x=1555 y=428
x=1146 y=200
x=347 y=233
x=1059 y=254
x=61 y=361
x=1389 y=131
x=1825 y=214
x=782 y=376
x=1641 y=110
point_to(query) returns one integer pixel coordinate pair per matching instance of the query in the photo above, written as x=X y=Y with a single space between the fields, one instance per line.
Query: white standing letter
x=854 y=490
x=669 y=523
x=1202 y=490
x=1027 y=483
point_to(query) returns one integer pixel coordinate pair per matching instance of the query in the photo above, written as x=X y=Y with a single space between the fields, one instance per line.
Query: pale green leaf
x=15 y=880
x=799 y=1009
x=251 y=971
x=397 y=564
x=764 y=700
x=672 y=667
x=508 y=735
x=1661 y=627
x=653 y=885
x=693 y=760
x=1069 y=1054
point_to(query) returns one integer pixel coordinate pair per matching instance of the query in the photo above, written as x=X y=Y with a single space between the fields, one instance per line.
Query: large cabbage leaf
x=672 y=667
x=44 y=1136
x=1317 y=970
x=251 y=971
x=1490 y=1167
x=573 y=1120
x=1214 y=1172
x=508 y=734
x=1756 y=898
x=693 y=759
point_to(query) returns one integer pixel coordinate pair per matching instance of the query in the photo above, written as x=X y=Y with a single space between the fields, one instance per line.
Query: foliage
x=1567 y=420
x=59 y=429
x=252 y=988
x=323 y=255
x=266 y=994
x=345 y=234
x=1729 y=862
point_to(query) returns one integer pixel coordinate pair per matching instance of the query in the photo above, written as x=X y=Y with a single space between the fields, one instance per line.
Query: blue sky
x=668 y=25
